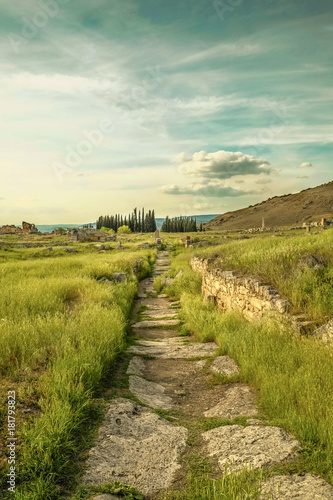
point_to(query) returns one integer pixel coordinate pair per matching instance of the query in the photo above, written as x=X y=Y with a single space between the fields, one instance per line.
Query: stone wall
x=88 y=234
x=230 y=291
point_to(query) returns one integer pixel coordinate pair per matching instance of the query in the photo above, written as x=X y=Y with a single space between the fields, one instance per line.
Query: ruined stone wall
x=11 y=230
x=230 y=291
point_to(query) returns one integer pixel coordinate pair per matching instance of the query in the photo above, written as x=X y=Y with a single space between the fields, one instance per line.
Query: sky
x=185 y=107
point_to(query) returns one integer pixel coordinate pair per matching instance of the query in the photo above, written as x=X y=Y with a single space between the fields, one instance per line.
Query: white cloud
x=222 y=164
x=305 y=165
x=303 y=177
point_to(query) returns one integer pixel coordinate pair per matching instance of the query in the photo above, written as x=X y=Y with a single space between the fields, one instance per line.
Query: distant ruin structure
x=26 y=228
x=88 y=234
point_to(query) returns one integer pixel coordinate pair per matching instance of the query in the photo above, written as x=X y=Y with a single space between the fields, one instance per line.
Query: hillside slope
x=280 y=211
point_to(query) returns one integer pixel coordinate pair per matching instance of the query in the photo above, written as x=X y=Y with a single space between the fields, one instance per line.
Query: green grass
x=64 y=329
x=293 y=376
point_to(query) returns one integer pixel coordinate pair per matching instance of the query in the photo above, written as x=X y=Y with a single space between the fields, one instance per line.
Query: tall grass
x=58 y=321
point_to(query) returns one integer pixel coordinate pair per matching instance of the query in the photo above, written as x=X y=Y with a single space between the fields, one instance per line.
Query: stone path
x=139 y=448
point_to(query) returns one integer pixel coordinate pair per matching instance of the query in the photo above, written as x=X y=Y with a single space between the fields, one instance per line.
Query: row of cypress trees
x=179 y=225
x=138 y=222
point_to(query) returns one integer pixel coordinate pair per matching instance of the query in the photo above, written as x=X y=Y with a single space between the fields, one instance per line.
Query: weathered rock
x=144 y=245
x=225 y=365
x=296 y=487
x=49 y=249
x=325 y=332
x=154 y=324
x=136 y=367
x=150 y=393
x=70 y=250
x=173 y=348
x=237 y=401
x=136 y=447
x=120 y=277
x=118 y=245
x=255 y=446
x=159 y=314
x=310 y=261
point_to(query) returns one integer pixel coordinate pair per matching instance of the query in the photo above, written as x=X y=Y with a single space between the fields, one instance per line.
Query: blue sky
x=182 y=106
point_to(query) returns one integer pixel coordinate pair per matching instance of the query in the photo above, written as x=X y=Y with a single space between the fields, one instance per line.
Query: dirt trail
x=175 y=377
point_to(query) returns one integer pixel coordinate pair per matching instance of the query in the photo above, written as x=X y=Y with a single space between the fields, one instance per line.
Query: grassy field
x=293 y=376
x=60 y=331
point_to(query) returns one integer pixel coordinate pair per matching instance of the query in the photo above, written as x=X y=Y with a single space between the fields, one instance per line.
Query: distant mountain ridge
x=288 y=210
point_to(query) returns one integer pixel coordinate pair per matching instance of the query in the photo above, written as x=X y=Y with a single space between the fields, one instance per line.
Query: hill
x=288 y=210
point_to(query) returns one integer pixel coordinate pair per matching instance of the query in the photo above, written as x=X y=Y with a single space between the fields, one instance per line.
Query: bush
x=124 y=230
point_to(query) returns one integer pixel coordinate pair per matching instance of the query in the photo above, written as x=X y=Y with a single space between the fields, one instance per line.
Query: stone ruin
x=88 y=234
x=186 y=241
x=26 y=228
x=158 y=240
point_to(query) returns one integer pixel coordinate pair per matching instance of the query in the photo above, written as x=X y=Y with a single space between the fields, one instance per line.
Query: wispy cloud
x=211 y=189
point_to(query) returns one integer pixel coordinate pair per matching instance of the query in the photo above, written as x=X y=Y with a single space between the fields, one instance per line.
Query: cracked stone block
x=225 y=365
x=154 y=323
x=136 y=366
x=238 y=400
x=135 y=447
x=173 y=348
x=150 y=393
x=296 y=487
x=237 y=447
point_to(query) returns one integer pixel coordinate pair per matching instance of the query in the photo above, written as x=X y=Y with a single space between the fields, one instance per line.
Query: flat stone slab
x=135 y=447
x=159 y=313
x=295 y=487
x=238 y=400
x=150 y=393
x=136 y=367
x=163 y=296
x=255 y=446
x=173 y=348
x=106 y=496
x=224 y=365
x=151 y=333
x=155 y=323
x=153 y=303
